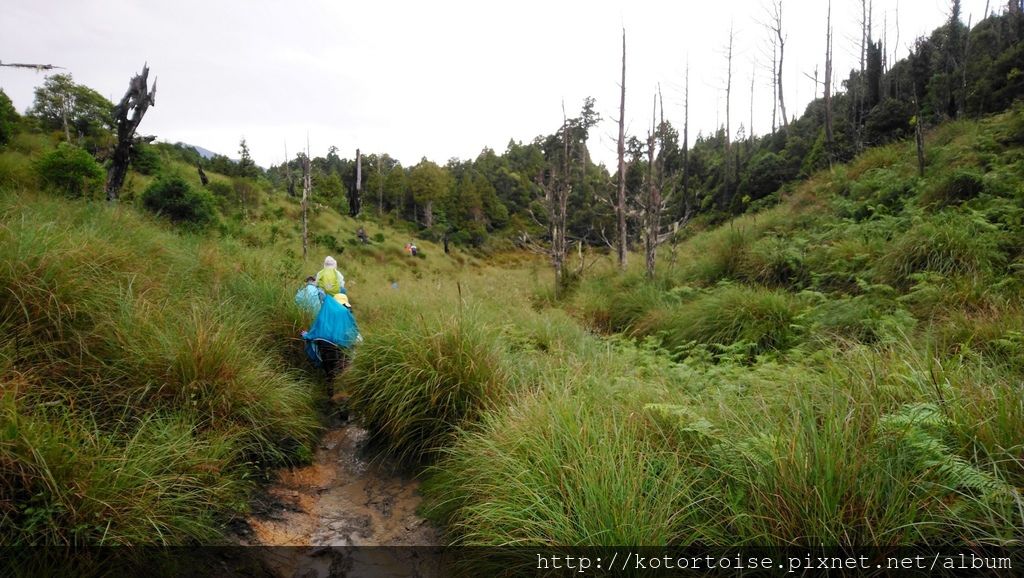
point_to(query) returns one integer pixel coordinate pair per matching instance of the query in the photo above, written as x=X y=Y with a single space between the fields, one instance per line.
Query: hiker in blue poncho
x=309 y=296
x=334 y=333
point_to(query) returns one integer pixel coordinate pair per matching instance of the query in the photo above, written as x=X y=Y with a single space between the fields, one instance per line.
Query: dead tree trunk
x=775 y=85
x=860 y=96
x=655 y=188
x=726 y=164
x=780 y=38
x=686 y=140
x=963 y=69
x=354 y=198
x=620 y=204
x=753 y=77
x=556 y=195
x=136 y=101
x=307 y=183
x=650 y=205
x=828 y=85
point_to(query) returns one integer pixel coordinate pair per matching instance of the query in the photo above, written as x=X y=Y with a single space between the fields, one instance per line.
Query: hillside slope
x=148 y=375
x=841 y=369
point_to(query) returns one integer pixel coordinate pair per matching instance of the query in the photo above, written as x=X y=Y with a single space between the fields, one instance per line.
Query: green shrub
x=17 y=172
x=71 y=171
x=8 y=119
x=721 y=254
x=777 y=262
x=954 y=188
x=567 y=469
x=949 y=243
x=145 y=158
x=880 y=191
x=865 y=318
x=758 y=319
x=175 y=199
x=419 y=379
x=139 y=405
x=66 y=481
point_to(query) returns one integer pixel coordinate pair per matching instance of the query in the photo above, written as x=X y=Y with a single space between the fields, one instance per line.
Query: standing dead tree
x=774 y=26
x=726 y=198
x=652 y=203
x=356 y=192
x=307 y=185
x=828 y=84
x=135 y=101
x=620 y=202
x=686 y=137
x=556 y=182
x=658 y=196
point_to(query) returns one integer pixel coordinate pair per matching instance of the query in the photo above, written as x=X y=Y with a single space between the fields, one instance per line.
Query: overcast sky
x=437 y=79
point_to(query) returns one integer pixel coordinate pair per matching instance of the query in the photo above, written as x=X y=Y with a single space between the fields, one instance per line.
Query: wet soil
x=332 y=510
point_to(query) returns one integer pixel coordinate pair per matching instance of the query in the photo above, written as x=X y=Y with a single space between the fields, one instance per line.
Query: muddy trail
x=330 y=511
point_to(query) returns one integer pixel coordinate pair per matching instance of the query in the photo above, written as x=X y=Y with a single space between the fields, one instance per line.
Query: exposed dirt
x=342 y=499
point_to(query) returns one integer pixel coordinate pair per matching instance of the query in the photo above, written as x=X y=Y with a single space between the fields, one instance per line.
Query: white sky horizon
x=440 y=79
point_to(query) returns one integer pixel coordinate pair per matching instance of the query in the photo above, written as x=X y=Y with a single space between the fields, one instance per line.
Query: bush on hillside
x=954 y=188
x=756 y=320
x=949 y=243
x=71 y=171
x=416 y=382
x=8 y=118
x=175 y=199
x=145 y=158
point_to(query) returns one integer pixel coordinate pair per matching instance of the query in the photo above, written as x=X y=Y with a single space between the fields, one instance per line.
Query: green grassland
x=843 y=367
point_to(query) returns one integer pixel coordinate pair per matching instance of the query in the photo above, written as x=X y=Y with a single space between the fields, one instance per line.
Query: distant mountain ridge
x=205 y=153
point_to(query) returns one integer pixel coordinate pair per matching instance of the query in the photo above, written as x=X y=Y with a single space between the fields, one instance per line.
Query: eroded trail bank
x=330 y=511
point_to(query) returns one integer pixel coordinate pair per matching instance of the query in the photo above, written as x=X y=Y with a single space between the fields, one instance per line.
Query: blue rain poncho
x=308 y=298
x=334 y=324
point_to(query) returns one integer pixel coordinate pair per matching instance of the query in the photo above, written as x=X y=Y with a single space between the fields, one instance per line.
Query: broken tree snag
x=136 y=101
x=356 y=192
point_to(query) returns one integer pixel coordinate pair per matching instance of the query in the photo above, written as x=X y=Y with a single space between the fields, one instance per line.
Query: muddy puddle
x=343 y=499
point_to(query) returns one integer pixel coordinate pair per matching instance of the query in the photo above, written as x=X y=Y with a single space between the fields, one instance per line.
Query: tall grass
x=422 y=376
x=761 y=319
x=950 y=243
x=142 y=380
x=903 y=426
x=561 y=468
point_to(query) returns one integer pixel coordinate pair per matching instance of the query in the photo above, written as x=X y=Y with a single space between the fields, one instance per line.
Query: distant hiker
x=408 y=248
x=309 y=296
x=414 y=250
x=361 y=235
x=329 y=278
x=332 y=336
x=445 y=242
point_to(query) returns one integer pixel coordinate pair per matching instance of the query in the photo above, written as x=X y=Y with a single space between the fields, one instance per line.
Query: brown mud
x=331 y=511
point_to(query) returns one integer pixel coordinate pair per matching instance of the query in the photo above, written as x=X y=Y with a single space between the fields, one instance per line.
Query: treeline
x=952 y=73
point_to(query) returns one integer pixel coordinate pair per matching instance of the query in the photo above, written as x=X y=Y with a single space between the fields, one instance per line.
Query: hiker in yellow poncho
x=329 y=278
